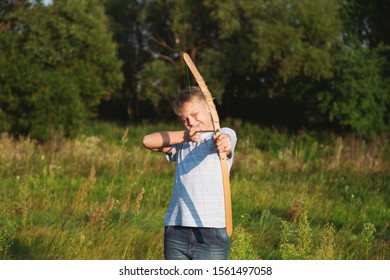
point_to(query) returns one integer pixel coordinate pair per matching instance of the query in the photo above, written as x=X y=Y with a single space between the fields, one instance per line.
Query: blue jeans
x=191 y=243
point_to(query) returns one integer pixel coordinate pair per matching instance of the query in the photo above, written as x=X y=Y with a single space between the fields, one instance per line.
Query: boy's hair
x=185 y=95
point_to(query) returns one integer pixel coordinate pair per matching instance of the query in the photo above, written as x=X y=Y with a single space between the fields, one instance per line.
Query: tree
x=244 y=48
x=367 y=39
x=274 y=51
x=129 y=34
x=172 y=27
x=367 y=21
x=290 y=62
x=56 y=64
x=356 y=99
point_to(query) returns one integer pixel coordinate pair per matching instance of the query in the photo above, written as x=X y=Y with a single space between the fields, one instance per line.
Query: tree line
x=321 y=64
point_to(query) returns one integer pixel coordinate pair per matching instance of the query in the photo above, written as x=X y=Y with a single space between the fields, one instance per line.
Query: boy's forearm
x=162 y=141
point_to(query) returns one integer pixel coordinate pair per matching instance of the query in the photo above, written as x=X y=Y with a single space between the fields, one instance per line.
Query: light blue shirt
x=198 y=198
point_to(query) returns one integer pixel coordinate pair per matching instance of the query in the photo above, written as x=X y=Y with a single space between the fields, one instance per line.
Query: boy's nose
x=191 y=121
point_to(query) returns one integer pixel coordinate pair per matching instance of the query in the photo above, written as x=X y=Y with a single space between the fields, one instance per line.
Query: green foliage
x=358 y=96
x=7 y=236
x=56 y=64
x=241 y=247
x=327 y=245
x=293 y=37
x=317 y=63
x=298 y=63
x=366 y=239
x=297 y=241
x=129 y=34
x=289 y=38
x=293 y=61
x=157 y=88
x=364 y=19
x=171 y=28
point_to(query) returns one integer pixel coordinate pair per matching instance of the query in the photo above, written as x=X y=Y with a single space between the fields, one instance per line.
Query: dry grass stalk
x=80 y=200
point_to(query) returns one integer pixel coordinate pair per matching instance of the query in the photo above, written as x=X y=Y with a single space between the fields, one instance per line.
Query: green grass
x=103 y=196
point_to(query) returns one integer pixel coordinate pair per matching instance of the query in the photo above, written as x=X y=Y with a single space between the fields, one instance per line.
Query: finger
x=223 y=141
x=193 y=131
x=220 y=144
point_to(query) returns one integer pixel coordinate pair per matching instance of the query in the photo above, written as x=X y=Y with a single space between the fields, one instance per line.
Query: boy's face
x=195 y=114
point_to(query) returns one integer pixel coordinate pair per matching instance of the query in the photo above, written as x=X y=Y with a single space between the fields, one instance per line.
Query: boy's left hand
x=223 y=143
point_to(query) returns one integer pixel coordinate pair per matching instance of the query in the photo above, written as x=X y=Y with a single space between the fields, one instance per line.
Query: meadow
x=303 y=195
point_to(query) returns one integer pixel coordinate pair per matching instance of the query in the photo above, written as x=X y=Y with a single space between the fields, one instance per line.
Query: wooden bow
x=217 y=129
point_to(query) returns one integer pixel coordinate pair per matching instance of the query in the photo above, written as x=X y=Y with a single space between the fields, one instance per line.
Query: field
x=103 y=196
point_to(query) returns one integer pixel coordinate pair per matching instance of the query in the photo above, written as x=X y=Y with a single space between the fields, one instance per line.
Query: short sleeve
x=172 y=155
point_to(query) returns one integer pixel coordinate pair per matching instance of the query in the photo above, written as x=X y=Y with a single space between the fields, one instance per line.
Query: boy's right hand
x=194 y=134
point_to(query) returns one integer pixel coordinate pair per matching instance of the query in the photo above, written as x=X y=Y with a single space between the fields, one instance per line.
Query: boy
x=195 y=220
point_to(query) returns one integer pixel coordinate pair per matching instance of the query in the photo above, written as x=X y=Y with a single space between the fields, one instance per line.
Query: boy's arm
x=162 y=141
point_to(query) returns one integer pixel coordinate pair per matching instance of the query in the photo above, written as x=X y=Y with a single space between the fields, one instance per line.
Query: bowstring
x=188 y=78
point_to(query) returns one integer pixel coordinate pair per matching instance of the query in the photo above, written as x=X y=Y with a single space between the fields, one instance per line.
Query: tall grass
x=103 y=196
